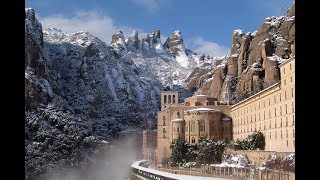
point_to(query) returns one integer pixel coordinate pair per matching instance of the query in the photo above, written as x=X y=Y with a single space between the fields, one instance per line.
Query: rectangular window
x=164 y=130
x=291 y=78
x=275 y=112
x=293 y=133
x=280 y=110
x=286 y=109
x=292 y=107
x=269 y=135
x=284 y=82
x=269 y=113
x=281 y=134
x=285 y=94
x=293 y=120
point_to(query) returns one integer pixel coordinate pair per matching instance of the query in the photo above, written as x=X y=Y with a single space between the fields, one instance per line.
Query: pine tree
x=179 y=151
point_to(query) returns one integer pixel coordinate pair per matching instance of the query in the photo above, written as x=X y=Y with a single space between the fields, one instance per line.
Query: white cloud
x=94 y=22
x=201 y=46
x=149 y=5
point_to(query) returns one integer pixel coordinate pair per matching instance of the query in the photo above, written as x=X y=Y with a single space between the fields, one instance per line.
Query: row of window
x=285 y=82
x=281 y=136
x=169 y=99
x=245 y=128
x=263 y=104
x=253 y=118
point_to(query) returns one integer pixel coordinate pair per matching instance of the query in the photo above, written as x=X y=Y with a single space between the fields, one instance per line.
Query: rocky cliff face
x=253 y=61
x=80 y=92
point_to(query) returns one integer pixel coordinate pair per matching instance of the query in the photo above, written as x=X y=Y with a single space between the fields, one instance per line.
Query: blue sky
x=206 y=25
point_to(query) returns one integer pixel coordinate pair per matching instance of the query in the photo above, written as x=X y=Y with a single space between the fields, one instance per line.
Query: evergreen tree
x=252 y=142
x=192 y=153
x=210 y=151
x=179 y=151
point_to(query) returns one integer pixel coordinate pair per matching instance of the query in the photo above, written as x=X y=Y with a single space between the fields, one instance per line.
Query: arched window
x=186 y=127
x=178 y=114
x=169 y=99
x=173 y=99
x=165 y=98
x=193 y=140
x=193 y=124
x=202 y=126
x=178 y=129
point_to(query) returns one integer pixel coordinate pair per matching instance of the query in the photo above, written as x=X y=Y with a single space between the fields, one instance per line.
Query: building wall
x=149 y=144
x=270 y=111
x=169 y=112
x=212 y=126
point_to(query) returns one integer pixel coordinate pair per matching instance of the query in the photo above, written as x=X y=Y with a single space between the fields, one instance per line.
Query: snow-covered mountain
x=80 y=91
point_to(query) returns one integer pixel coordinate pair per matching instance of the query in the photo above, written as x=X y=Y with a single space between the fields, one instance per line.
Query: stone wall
x=256 y=157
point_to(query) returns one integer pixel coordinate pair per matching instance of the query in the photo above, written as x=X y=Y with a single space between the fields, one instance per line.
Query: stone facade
x=197 y=116
x=271 y=111
x=149 y=144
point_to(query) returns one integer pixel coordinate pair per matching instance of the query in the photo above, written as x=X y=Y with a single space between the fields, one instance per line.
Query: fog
x=112 y=163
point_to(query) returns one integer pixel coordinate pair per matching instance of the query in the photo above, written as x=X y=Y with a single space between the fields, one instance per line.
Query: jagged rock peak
x=133 y=41
x=156 y=34
x=156 y=42
x=118 y=43
x=33 y=26
x=176 y=33
x=175 y=44
x=116 y=36
x=238 y=32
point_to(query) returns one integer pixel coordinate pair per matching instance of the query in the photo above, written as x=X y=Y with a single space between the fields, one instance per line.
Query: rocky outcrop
x=37 y=88
x=133 y=42
x=118 y=43
x=253 y=61
x=175 y=44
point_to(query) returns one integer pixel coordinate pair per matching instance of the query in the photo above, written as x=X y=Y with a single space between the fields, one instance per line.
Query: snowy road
x=170 y=175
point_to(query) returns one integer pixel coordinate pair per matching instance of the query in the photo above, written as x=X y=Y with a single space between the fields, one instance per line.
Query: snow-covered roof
x=201 y=95
x=226 y=119
x=203 y=109
x=177 y=120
